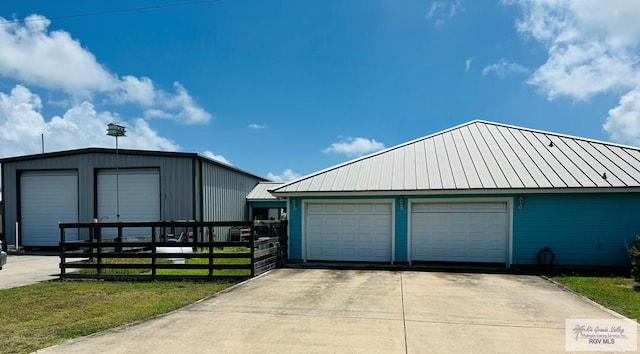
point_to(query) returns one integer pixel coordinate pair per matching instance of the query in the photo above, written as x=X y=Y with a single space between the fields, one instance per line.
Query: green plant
x=616 y=293
x=634 y=260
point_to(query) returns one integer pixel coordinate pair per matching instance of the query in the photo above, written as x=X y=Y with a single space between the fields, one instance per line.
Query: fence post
x=62 y=251
x=93 y=235
x=153 y=252
x=99 y=251
x=253 y=253
x=119 y=240
x=211 y=252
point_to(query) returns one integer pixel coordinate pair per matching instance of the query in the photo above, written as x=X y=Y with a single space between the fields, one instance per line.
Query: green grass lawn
x=146 y=262
x=49 y=313
x=616 y=293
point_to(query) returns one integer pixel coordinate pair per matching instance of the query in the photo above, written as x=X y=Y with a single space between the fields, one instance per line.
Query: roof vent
x=551 y=144
x=604 y=175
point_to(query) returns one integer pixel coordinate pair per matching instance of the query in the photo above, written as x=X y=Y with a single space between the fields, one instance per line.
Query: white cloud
x=593 y=48
x=467 y=65
x=157 y=113
x=286 y=176
x=583 y=70
x=142 y=136
x=35 y=56
x=22 y=123
x=623 y=122
x=354 y=147
x=218 y=158
x=504 y=68
x=134 y=90
x=188 y=111
x=256 y=126
x=53 y=59
x=440 y=11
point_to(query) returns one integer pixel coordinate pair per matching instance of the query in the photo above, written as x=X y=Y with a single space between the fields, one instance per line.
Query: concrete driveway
x=23 y=270
x=319 y=311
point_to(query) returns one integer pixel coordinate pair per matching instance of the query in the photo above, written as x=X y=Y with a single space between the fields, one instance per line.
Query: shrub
x=634 y=259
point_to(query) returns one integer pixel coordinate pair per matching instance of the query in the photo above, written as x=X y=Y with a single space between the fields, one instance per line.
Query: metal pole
x=117 y=182
x=117 y=131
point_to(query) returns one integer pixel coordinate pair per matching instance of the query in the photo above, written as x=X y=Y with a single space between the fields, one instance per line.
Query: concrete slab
x=319 y=311
x=22 y=270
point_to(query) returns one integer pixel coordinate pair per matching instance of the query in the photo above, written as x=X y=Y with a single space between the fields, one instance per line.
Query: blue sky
x=285 y=88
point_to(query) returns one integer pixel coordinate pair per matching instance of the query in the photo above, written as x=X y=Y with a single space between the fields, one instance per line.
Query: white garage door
x=348 y=232
x=47 y=198
x=459 y=232
x=139 y=195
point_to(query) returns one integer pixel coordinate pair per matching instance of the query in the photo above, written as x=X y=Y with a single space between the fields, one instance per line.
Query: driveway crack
x=404 y=320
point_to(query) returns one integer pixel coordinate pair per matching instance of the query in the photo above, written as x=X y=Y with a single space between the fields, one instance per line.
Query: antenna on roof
x=42 y=141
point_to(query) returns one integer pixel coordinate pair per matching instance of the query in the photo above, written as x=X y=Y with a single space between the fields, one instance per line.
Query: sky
x=284 y=88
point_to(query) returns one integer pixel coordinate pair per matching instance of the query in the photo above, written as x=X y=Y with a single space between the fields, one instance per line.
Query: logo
x=601 y=335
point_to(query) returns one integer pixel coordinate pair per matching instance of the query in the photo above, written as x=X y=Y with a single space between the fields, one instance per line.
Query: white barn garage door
x=139 y=195
x=46 y=199
x=459 y=232
x=348 y=232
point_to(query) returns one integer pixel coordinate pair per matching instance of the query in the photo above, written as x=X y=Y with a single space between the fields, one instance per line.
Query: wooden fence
x=154 y=250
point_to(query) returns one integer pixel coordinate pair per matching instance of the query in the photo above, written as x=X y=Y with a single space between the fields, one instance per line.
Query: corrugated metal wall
x=176 y=180
x=191 y=187
x=224 y=193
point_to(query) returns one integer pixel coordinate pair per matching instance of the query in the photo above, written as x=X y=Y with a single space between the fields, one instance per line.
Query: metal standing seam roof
x=261 y=191
x=480 y=156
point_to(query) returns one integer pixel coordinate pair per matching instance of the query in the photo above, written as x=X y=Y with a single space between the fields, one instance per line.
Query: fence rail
x=155 y=251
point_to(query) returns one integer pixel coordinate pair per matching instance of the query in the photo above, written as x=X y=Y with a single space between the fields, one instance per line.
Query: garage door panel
x=349 y=238
x=47 y=198
x=348 y=231
x=348 y=222
x=459 y=232
x=138 y=198
x=316 y=252
x=348 y=252
x=457 y=207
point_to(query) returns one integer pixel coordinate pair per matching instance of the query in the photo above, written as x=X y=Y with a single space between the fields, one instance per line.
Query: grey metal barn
x=96 y=184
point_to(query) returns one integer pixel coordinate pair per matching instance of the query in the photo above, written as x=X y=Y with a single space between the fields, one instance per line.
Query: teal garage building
x=480 y=192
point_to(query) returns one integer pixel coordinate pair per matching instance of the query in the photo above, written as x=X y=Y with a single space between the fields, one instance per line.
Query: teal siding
x=401 y=233
x=581 y=229
x=295 y=228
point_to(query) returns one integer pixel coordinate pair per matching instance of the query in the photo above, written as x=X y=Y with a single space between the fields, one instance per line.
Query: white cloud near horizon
x=22 y=124
x=35 y=56
x=257 y=126
x=467 y=65
x=286 y=176
x=216 y=157
x=593 y=48
x=353 y=147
